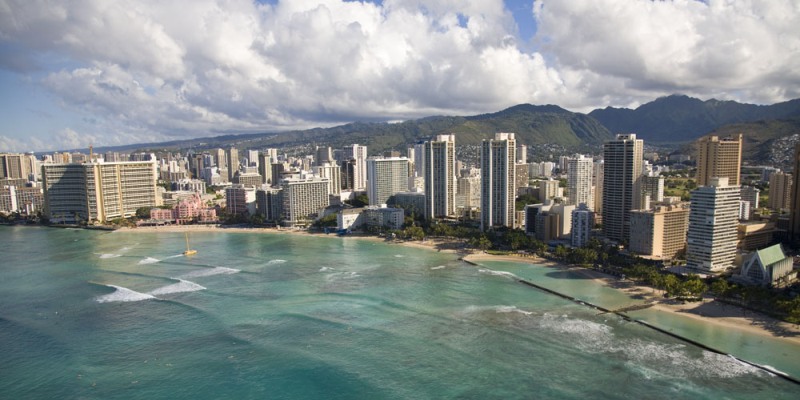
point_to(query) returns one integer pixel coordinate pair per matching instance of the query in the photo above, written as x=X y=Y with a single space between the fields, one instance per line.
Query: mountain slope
x=531 y=124
x=680 y=118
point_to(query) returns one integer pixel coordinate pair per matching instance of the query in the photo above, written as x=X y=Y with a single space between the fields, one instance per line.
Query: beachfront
x=708 y=310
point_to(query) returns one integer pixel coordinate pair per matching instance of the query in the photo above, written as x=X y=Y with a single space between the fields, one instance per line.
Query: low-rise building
x=769 y=266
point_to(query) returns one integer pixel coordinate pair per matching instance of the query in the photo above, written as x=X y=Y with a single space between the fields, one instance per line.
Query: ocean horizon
x=89 y=314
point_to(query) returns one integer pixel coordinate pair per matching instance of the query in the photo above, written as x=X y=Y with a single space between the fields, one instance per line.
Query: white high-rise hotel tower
x=579 y=180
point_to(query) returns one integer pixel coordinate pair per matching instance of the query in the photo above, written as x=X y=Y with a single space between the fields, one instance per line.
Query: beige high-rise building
x=659 y=233
x=498 y=157
x=780 y=191
x=440 y=176
x=359 y=154
x=14 y=166
x=622 y=168
x=232 y=155
x=303 y=199
x=385 y=177
x=713 y=220
x=720 y=158
x=794 y=207
x=98 y=191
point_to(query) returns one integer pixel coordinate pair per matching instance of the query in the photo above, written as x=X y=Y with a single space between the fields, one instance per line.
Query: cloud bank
x=153 y=70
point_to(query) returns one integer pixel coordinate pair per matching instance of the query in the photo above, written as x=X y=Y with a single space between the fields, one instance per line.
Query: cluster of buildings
x=622 y=191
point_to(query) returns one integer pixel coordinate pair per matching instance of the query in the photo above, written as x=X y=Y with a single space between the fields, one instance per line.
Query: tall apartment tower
x=719 y=158
x=334 y=175
x=750 y=194
x=794 y=207
x=385 y=177
x=498 y=193
x=599 y=171
x=579 y=180
x=323 y=155
x=232 y=154
x=622 y=168
x=780 y=191
x=713 y=220
x=440 y=177
x=265 y=167
x=359 y=154
x=14 y=166
x=582 y=224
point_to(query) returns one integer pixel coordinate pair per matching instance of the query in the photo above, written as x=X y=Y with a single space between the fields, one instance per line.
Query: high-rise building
x=548 y=221
x=794 y=207
x=269 y=203
x=622 y=168
x=599 y=171
x=333 y=173
x=579 y=180
x=232 y=156
x=240 y=199
x=522 y=179
x=359 y=154
x=440 y=177
x=713 y=219
x=780 y=191
x=303 y=199
x=548 y=189
x=98 y=191
x=265 y=167
x=385 y=177
x=750 y=194
x=323 y=155
x=468 y=192
x=648 y=189
x=659 y=233
x=719 y=158
x=582 y=224
x=497 y=181
x=522 y=154
x=14 y=166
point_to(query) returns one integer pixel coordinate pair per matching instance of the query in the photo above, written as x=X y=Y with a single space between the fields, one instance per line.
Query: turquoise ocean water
x=98 y=315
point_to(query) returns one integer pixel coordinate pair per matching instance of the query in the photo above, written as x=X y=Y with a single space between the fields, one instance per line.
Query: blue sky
x=109 y=73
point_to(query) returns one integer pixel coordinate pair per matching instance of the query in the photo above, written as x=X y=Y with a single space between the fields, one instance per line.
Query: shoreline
x=708 y=310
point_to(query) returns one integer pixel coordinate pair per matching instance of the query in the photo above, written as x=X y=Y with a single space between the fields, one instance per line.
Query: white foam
x=326 y=269
x=341 y=275
x=175 y=256
x=271 y=262
x=438 y=267
x=498 y=273
x=122 y=294
x=399 y=255
x=149 y=260
x=180 y=287
x=502 y=309
x=210 y=272
x=110 y=255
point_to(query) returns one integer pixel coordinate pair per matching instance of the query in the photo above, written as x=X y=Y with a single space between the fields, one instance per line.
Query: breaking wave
x=210 y=272
x=438 y=267
x=180 y=287
x=121 y=294
x=498 y=273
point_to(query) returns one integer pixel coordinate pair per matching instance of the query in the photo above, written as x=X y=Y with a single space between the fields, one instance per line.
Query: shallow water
x=282 y=316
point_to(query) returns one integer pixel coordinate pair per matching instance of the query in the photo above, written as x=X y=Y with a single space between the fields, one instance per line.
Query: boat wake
x=121 y=294
x=438 y=267
x=148 y=260
x=210 y=272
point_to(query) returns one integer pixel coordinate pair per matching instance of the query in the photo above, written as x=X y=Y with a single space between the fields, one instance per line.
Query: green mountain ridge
x=679 y=118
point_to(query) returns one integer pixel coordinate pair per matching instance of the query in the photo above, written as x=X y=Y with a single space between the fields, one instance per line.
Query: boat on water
x=189 y=251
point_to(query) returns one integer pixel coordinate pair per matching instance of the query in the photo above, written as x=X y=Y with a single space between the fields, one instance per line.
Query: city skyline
x=94 y=73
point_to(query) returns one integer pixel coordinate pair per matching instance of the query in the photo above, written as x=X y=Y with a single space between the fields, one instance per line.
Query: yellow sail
x=188 y=251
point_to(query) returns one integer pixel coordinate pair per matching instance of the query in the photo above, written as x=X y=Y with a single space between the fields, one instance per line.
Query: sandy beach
x=709 y=310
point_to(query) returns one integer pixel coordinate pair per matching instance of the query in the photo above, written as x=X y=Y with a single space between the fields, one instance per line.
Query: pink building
x=186 y=210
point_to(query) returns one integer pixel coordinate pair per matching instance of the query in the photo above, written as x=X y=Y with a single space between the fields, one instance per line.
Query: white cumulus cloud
x=151 y=70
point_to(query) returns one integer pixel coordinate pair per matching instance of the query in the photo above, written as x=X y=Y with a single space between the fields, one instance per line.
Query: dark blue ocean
x=123 y=315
